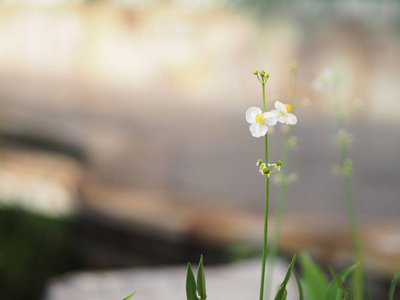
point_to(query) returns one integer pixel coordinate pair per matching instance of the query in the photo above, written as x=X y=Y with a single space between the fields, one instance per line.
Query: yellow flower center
x=288 y=107
x=260 y=119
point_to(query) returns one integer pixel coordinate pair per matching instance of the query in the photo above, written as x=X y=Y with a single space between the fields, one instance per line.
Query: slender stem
x=281 y=196
x=359 y=273
x=264 y=256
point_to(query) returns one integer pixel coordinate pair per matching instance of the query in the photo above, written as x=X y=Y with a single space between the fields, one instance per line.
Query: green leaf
x=201 y=280
x=130 y=296
x=339 y=282
x=333 y=292
x=314 y=279
x=393 y=284
x=299 y=287
x=282 y=293
x=190 y=284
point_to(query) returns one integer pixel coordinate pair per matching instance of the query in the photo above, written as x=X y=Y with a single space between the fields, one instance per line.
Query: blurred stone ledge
x=196 y=228
x=121 y=226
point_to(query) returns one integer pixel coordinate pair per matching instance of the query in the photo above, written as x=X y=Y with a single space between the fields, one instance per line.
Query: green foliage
x=32 y=249
x=201 y=280
x=393 y=284
x=282 y=292
x=314 y=278
x=333 y=292
x=130 y=296
x=299 y=287
x=348 y=294
x=196 y=291
x=316 y=284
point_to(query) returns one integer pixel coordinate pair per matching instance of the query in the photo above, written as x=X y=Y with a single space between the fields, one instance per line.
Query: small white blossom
x=282 y=112
x=260 y=121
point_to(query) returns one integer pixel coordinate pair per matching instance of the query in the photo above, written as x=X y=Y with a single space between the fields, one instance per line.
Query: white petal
x=282 y=119
x=258 y=130
x=291 y=119
x=251 y=114
x=281 y=107
x=270 y=118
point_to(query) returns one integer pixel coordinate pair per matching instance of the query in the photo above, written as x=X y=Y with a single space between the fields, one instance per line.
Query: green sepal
x=314 y=278
x=190 y=284
x=333 y=292
x=282 y=293
x=393 y=284
x=130 y=296
x=201 y=280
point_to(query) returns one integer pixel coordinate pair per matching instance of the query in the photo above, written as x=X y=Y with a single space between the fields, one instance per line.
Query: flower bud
x=262 y=73
x=255 y=72
x=259 y=162
x=279 y=163
x=267 y=75
x=265 y=171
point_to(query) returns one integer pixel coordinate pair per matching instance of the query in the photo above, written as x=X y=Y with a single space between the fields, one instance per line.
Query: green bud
x=255 y=72
x=265 y=171
x=278 y=163
x=262 y=73
x=266 y=75
x=259 y=162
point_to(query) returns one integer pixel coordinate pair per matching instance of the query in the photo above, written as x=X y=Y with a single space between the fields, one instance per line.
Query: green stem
x=264 y=256
x=281 y=196
x=359 y=273
x=279 y=212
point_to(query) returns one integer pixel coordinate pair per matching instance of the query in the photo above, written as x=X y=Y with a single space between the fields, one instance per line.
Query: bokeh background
x=124 y=142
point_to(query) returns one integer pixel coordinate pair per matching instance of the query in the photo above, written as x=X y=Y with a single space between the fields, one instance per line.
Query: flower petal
x=280 y=107
x=251 y=114
x=258 y=130
x=291 y=119
x=270 y=118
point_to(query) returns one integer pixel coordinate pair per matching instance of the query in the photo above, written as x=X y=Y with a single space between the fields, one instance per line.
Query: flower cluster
x=268 y=170
x=260 y=120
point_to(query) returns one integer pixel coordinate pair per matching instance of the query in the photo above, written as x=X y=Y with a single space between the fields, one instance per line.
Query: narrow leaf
x=201 y=280
x=393 y=284
x=190 y=284
x=282 y=293
x=333 y=292
x=130 y=296
x=314 y=279
x=339 y=281
x=299 y=287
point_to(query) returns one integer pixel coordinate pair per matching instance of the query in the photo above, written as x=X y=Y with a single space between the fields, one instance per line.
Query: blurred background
x=123 y=141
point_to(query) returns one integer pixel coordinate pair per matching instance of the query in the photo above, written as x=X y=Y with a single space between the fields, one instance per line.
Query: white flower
x=283 y=114
x=260 y=121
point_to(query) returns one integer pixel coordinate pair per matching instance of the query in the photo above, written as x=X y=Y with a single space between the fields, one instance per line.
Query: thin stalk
x=281 y=197
x=264 y=256
x=359 y=273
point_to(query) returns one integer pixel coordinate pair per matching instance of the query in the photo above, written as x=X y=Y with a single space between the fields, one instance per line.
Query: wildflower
x=283 y=114
x=260 y=121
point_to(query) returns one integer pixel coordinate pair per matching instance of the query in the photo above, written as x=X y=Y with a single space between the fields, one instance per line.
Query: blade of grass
x=393 y=284
x=130 y=296
x=190 y=284
x=314 y=278
x=299 y=287
x=282 y=293
x=201 y=280
x=333 y=292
